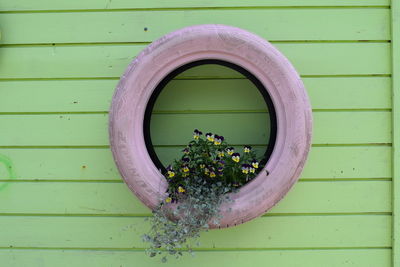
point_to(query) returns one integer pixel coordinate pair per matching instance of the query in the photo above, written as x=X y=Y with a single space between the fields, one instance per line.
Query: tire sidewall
x=230 y=44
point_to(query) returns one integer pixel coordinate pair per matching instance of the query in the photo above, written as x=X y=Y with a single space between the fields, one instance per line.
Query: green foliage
x=197 y=186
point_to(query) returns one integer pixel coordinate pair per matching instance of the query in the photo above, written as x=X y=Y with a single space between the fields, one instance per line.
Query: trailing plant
x=198 y=184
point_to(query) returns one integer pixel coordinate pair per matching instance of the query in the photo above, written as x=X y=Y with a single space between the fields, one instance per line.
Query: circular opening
x=263 y=111
x=229 y=44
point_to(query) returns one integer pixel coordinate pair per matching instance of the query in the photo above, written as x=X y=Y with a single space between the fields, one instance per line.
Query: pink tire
x=229 y=44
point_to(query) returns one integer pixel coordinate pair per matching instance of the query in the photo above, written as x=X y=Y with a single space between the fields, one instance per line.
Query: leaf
x=199 y=204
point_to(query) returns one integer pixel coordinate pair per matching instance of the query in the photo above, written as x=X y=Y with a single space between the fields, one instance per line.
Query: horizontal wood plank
x=91 y=129
x=348 y=162
x=56 y=129
x=361 y=127
x=326 y=162
x=97 y=164
x=334 y=127
x=281 y=258
x=117 y=199
x=60 y=61
x=264 y=232
x=190 y=95
x=325 y=93
x=139 y=26
x=26 y=5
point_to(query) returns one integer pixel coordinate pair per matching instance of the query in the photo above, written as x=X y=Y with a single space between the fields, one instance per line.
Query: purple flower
x=218 y=139
x=197 y=134
x=236 y=157
x=210 y=137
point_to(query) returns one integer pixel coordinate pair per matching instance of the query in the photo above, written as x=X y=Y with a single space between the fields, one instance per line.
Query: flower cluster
x=211 y=160
x=198 y=183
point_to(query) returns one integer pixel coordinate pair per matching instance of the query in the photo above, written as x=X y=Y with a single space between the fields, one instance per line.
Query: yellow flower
x=245 y=168
x=230 y=151
x=181 y=189
x=252 y=170
x=171 y=174
x=212 y=174
x=254 y=163
x=218 y=139
x=168 y=200
x=247 y=149
x=210 y=137
x=185 y=169
x=236 y=157
x=196 y=134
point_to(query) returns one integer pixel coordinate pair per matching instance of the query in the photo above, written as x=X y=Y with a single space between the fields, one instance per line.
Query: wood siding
x=62 y=201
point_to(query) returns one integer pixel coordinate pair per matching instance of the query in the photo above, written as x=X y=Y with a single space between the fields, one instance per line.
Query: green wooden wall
x=62 y=201
x=226 y=103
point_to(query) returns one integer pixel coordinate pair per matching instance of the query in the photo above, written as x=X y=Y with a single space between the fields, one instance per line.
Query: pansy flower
x=170 y=171
x=171 y=174
x=185 y=168
x=230 y=150
x=186 y=150
x=168 y=200
x=247 y=149
x=212 y=174
x=254 y=163
x=186 y=159
x=252 y=170
x=218 y=139
x=245 y=168
x=181 y=189
x=220 y=171
x=197 y=134
x=210 y=137
x=220 y=153
x=236 y=157
x=202 y=166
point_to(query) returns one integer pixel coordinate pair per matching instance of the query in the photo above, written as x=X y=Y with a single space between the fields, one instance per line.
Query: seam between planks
x=196 y=249
x=147 y=43
x=189 y=78
x=177 y=146
x=193 y=9
x=119 y=181
x=148 y=215
x=189 y=112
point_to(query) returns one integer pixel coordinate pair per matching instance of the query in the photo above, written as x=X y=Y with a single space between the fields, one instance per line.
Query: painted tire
x=234 y=45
